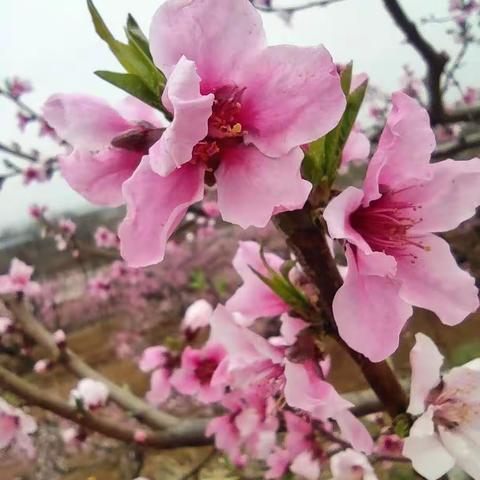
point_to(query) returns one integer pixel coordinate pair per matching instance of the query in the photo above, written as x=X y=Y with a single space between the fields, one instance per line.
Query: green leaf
x=134 y=56
x=346 y=78
x=313 y=163
x=134 y=33
x=132 y=84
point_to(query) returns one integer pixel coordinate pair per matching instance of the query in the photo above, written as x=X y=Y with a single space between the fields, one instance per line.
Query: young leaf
x=313 y=164
x=134 y=32
x=132 y=84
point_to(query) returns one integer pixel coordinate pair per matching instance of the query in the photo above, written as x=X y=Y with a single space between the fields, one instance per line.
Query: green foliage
x=464 y=353
x=280 y=284
x=198 y=281
x=402 y=424
x=142 y=78
x=324 y=155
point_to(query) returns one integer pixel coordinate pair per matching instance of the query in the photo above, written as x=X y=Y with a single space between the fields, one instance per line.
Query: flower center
x=205 y=370
x=224 y=129
x=386 y=222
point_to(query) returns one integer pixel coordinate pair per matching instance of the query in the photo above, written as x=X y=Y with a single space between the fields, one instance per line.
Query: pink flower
x=41 y=366
x=304 y=389
x=16 y=428
x=23 y=120
x=389 y=445
x=254 y=298
x=197 y=370
x=91 y=394
x=197 y=316
x=100 y=287
x=17 y=87
x=140 y=436
x=95 y=167
x=59 y=337
x=18 y=279
x=37 y=211
x=67 y=227
x=470 y=96
x=105 y=238
x=158 y=361
x=34 y=173
x=238 y=122
x=448 y=429
x=394 y=261
x=351 y=465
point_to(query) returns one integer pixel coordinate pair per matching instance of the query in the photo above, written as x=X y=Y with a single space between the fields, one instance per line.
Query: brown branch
x=455 y=147
x=435 y=61
x=187 y=433
x=308 y=242
x=35 y=330
x=304 y=6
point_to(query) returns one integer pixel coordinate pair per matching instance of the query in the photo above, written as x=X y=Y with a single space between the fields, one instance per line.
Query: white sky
x=52 y=43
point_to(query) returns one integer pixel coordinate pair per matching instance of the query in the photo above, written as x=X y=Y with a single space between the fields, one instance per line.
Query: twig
x=304 y=6
x=187 y=433
x=36 y=331
x=450 y=149
x=435 y=61
x=198 y=468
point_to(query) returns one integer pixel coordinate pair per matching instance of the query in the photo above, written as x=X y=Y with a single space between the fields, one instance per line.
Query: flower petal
x=404 y=150
x=432 y=279
x=368 y=309
x=356 y=149
x=85 y=122
x=191 y=111
x=449 y=198
x=254 y=298
x=134 y=110
x=155 y=207
x=463 y=448
x=293 y=97
x=250 y=185
x=426 y=361
x=203 y=31
x=354 y=431
x=99 y=176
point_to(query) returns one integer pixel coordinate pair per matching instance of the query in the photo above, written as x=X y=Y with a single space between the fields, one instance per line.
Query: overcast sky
x=52 y=43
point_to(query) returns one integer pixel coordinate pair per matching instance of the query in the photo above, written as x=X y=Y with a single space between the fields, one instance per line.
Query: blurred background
x=111 y=312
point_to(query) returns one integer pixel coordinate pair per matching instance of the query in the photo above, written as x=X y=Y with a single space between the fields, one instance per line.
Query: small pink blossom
x=198 y=370
x=34 y=173
x=18 y=279
x=470 y=96
x=6 y=325
x=91 y=394
x=389 y=445
x=394 y=261
x=23 y=120
x=17 y=87
x=37 y=211
x=157 y=360
x=41 y=366
x=254 y=299
x=228 y=93
x=105 y=238
x=197 y=316
x=351 y=465
x=16 y=428
x=140 y=436
x=59 y=337
x=100 y=287
x=447 y=432
x=67 y=227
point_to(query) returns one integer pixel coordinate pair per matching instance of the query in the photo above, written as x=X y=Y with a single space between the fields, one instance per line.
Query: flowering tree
x=268 y=131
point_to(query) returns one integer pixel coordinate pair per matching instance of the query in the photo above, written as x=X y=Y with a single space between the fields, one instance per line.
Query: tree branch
x=314 y=3
x=152 y=417
x=435 y=61
x=451 y=149
x=186 y=433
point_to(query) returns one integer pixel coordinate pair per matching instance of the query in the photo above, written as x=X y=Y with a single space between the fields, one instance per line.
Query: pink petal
x=449 y=198
x=404 y=150
x=254 y=299
x=368 y=309
x=357 y=148
x=337 y=215
x=160 y=387
x=426 y=361
x=85 y=122
x=191 y=111
x=99 y=176
x=152 y=358
x=306 y=466
x=433 y=280
x=155 y=207
x=354 y=431
x=218 y=36
x=250 y=185
x=293 y=97
x=291 y=327
x=134 y=110
x=349 y=464
x=8 y=429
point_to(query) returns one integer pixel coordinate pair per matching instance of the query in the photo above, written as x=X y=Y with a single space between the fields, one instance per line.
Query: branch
x=305 y=6
x=35 y=330
x=435 y=61
x=450 y=149
x=187 y=433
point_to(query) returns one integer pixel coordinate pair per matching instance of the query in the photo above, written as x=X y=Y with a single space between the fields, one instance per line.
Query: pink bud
x=41 y=366
x=59 y=337
x=140 y=436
